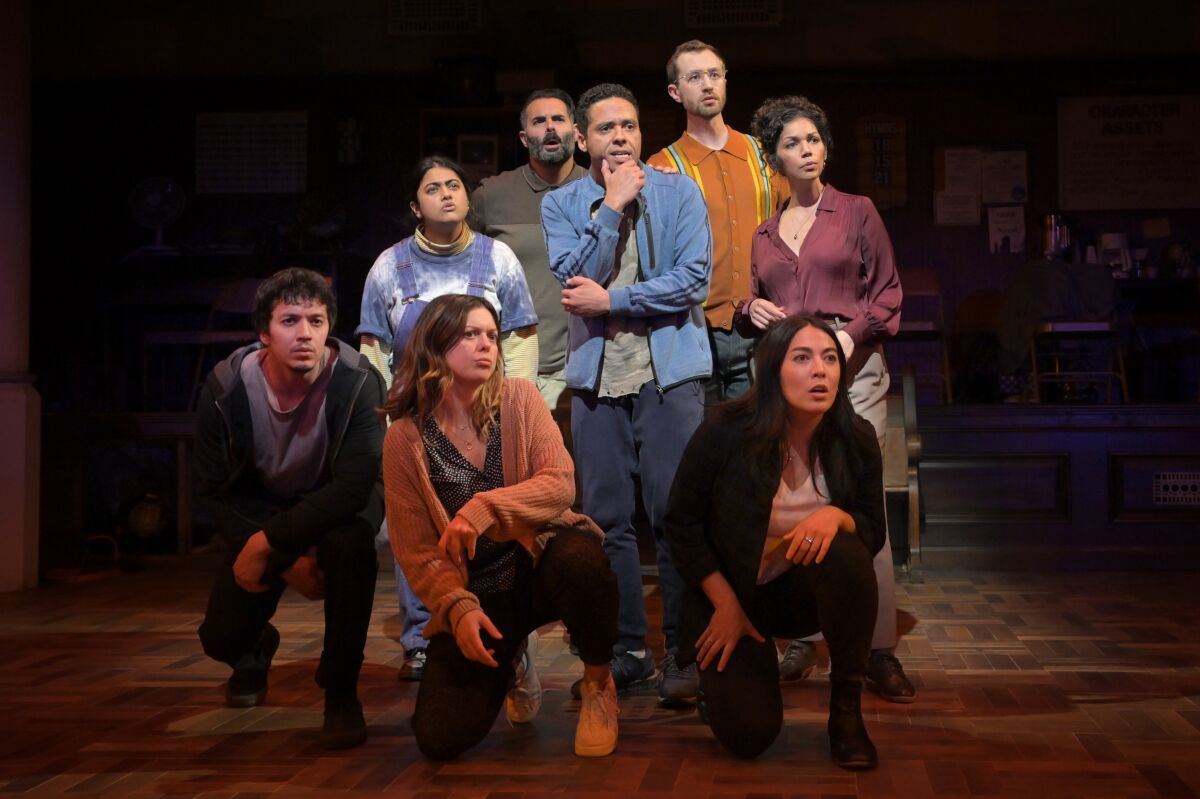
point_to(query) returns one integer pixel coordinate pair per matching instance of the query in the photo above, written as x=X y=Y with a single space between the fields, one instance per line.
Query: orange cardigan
x=539 y=487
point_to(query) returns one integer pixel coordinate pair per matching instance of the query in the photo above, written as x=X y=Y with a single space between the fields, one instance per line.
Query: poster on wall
x=1003 y=177
x=1006 y=229
x=1127 y=153
x=882 y=166
x=966 y=179
x=956 y=176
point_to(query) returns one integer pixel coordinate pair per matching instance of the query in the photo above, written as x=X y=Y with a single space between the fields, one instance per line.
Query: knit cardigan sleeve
x=539 y=476
x=539 y=486
x=416 y=519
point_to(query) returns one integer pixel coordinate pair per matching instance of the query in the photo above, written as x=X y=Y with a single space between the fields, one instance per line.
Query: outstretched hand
x=764 y=312
x=251 y=563
x=726 y=627
x=458 y=537
x=809 y=541
x=305 y=577
x=470 y=642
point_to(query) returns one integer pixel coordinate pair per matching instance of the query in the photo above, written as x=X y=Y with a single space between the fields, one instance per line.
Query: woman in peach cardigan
x=479 y=488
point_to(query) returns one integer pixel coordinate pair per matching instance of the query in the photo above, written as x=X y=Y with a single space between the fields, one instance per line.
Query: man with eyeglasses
x=741 y=193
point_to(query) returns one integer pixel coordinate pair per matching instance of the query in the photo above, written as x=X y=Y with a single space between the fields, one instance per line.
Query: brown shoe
x=886 y=676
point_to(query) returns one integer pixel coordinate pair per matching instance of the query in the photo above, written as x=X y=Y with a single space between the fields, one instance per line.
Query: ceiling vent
x=733 y=13
x=425 y=17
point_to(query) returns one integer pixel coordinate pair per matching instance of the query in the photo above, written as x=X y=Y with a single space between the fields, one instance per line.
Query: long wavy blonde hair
x=423 y=376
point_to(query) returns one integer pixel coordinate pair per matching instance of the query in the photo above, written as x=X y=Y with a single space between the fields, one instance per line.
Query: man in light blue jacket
x=633 y=250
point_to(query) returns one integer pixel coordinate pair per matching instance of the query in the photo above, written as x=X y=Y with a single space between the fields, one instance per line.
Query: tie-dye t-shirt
x=436 y=275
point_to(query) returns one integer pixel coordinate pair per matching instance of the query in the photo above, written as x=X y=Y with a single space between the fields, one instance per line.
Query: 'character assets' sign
x=1118 y=153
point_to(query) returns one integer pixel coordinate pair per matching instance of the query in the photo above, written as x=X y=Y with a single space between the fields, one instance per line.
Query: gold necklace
x=804 y=224
x=457 y=432
x=808 y=218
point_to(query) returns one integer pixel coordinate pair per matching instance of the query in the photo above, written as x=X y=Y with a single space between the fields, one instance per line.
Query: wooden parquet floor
x=1081 y=685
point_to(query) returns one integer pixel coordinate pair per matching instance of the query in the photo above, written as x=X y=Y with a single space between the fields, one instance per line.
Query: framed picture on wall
x=478 y=155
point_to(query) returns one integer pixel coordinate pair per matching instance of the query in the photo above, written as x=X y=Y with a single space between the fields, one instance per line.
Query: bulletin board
x=972 y=182
x=965 y=179
x=1129 y=153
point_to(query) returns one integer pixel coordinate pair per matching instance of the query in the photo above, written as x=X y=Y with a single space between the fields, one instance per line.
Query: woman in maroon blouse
x=828 y=254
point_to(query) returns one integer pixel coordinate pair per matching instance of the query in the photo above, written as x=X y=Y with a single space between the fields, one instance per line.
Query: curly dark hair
x=292 y=285
x=774 y=114
x=596 y=94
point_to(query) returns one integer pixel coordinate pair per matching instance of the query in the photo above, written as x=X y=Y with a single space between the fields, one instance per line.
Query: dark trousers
x=459 y=699
x=616 y=439
x=235 y=618
x=838 y=595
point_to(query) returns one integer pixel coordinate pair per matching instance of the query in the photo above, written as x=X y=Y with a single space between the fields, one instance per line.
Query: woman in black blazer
x=774 y=517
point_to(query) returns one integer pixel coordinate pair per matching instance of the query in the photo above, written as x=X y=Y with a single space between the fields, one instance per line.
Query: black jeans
x=235 y=618
x=838 y=596
x=459 y=699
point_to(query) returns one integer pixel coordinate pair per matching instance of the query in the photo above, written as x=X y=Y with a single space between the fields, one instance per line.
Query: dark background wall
x=118 y=85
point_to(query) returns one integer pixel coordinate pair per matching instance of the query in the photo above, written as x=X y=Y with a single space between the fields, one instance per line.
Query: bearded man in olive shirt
x=507 y=207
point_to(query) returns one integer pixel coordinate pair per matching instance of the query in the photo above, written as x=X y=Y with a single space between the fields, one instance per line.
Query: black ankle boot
x=344 y=726
x=849 y=744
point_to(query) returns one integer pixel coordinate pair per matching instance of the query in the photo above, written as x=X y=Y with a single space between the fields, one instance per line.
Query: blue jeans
x=415 y=614
x=616 y=439
x=731 y=375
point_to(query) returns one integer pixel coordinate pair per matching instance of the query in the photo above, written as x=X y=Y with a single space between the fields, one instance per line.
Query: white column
x=20 y=405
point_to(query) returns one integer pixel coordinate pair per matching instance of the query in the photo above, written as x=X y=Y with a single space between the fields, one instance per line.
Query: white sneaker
x=596 y=731
x=525 y=699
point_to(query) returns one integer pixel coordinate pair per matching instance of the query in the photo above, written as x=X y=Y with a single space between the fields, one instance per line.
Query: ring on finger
x=809 y=540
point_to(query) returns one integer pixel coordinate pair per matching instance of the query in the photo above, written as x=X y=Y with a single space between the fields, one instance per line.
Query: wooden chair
x=230 y=324
x=923 y=320
x=902 y=458
x=1062 y=352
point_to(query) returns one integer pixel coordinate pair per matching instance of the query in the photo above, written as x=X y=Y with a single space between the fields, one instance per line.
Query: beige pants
x=868 y=396
x=552 y=385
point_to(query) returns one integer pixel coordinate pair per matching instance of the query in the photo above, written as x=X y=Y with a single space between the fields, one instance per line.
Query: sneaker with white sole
x=798 y=661
x=596 y=730
x=629 y=671
x=414 y=665
x=677 y=687
x=524 y=700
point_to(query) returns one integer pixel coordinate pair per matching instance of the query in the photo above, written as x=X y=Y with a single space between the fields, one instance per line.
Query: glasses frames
x=696 y=77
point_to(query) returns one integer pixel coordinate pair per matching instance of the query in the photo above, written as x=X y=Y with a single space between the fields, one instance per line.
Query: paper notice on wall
x=1003 y=176
x=950 y=208
x=1006 y=229
x=962 y=167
